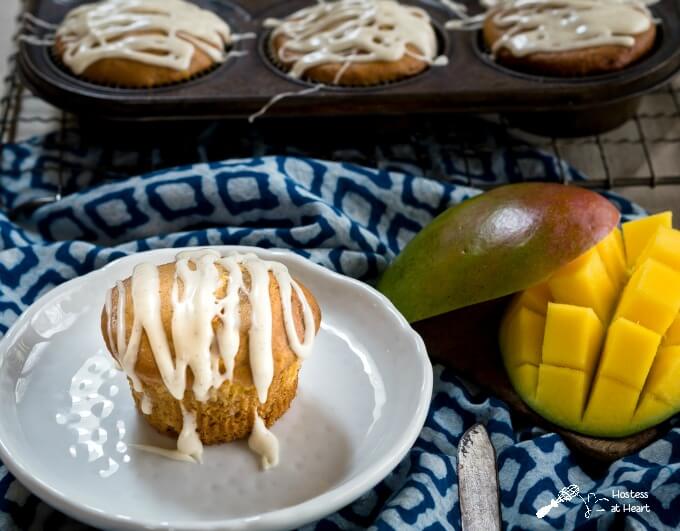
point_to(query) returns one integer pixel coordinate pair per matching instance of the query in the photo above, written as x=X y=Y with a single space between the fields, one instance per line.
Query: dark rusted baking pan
x=471 y=83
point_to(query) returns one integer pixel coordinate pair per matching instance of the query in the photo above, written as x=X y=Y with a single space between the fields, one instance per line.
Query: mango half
x=596 y=347
x=495 y=244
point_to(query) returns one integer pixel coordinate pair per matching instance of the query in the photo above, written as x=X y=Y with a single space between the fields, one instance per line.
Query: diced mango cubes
x=523 y=333
x=611 y=407
x=596 y=348
x=535 y=298
x=628 y=346
x=672 y=336
x=613 y=256
x=525 y=379
x=662 y=382
x=652 y=297
x=585 y=282
x=638 y=233
x=561 y=393
x=573 y=337
x=650 y=411
x=664 y=247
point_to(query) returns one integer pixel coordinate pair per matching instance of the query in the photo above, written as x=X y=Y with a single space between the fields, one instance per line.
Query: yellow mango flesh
x=525 y=379
x=596 y=348
x=662 y=383
x=573 y=336
x=650 y=411
x=523 y=333
x=610 y=409
x=637 y=234
x=664 y=247
x=672 y=336
x=585 y=282
x=628 y=353
x=535 y=298
x=613 y=255
x=553 y=386
x=652 y=297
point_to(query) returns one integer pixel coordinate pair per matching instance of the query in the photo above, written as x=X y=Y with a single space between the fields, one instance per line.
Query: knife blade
x=478 y=482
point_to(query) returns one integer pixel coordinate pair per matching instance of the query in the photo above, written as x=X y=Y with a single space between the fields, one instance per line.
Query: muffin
x=211 y=345
x=140 y=43
x=353 y=42
x=569 y=38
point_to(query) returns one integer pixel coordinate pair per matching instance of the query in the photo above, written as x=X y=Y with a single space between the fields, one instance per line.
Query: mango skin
x=495 y=244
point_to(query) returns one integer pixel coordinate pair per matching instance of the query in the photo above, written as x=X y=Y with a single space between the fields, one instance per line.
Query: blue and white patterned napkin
x=350 y=219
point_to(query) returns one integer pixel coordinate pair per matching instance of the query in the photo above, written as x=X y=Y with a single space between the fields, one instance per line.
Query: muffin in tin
x=353 y=42
x=569 y=38
x=141 y=43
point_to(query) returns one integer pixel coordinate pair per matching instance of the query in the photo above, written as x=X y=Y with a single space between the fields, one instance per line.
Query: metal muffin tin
x=470 y=83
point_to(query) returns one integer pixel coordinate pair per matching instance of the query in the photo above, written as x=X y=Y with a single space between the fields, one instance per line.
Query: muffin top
x=348 y=32
x=160 y=33
x=525 y=27
x=205 y=319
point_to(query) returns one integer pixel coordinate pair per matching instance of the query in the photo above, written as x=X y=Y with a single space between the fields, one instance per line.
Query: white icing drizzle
x=162 y=33
x=199 y=345
x=463 y=20
x=30 y=18
x=237 y=37
x=147 y=405
x=301 y=348
x=356 y=31
x=304 y=92
x=36 y=40
x=281 y=96
x=164 y=452
x=228 y=335
x=189 y=334
x=260 y=336
x=264 y=442
x=147 y=318
x=188 y=442
x=36 y=31
x=531 y=26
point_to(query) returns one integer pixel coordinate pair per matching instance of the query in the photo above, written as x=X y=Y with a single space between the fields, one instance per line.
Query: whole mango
x=596 y=347
x=495 y=244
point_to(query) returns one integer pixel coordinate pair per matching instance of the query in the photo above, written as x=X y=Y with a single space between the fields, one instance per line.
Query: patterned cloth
x=350 y=219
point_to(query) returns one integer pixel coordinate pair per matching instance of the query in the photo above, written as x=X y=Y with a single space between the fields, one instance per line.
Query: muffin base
x=126 y=73
x=570 y=63
x=227 y=415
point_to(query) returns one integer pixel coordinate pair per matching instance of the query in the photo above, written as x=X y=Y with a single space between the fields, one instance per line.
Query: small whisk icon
x=566 y=494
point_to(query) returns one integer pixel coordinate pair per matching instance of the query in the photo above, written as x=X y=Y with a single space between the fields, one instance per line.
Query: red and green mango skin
x=495 y=244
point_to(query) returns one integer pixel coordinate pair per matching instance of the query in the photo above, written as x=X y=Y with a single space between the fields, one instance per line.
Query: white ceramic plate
x=68 y=425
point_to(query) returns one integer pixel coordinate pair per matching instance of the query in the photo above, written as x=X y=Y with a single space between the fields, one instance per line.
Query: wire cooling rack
x=641 y=154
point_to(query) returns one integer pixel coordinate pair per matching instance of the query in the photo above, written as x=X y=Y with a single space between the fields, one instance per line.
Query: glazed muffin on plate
x=212 y=346
x=141 y=43
x=569 y=38
x=353 y=42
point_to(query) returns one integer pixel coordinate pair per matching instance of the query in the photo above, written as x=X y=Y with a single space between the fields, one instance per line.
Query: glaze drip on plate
x=531 y=26
x=209 y=351
x=354 y=31
x=162 y=33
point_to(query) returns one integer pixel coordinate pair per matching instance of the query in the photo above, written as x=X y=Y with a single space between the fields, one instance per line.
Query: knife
x=478 y=482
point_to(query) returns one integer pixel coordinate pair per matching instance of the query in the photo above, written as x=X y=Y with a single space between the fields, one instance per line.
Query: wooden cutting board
x=466 y=341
